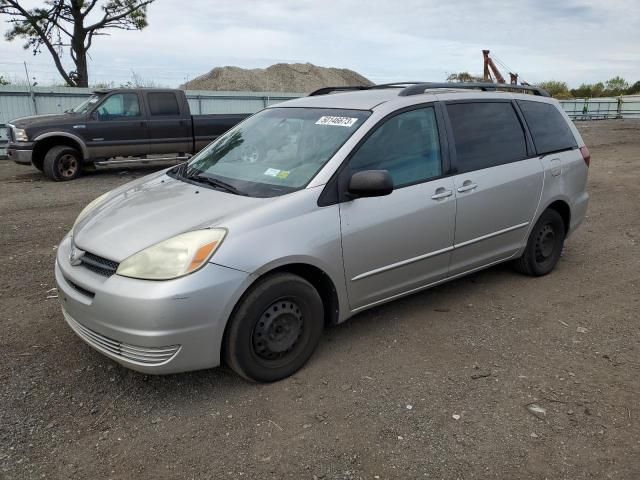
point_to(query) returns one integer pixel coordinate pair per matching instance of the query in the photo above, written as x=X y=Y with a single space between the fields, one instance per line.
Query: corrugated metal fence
x=18 y=102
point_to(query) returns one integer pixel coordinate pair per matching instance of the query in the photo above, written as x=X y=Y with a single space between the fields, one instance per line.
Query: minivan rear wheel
x=544 y=246
x=274 y=329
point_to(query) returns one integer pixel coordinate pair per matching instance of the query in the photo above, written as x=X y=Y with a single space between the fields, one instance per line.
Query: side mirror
x=371 y=183
x=95 y=115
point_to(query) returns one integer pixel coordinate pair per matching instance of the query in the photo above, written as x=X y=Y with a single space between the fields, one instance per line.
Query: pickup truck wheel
x=62 y=163
x=544 y=246
x=274 y=329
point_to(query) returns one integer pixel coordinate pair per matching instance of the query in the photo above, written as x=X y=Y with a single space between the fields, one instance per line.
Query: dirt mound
x=281 y=77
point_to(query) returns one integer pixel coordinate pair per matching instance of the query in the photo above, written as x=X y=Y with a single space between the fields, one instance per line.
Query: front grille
x=10 y=134
x=99 y=265
x=152 y=356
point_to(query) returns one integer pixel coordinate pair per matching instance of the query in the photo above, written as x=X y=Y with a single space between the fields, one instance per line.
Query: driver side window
x=407 y=145
x=120 y=105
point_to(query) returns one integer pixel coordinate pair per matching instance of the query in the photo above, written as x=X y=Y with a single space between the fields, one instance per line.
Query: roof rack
x=417 y=88
x=327 y=90
x=487 y=87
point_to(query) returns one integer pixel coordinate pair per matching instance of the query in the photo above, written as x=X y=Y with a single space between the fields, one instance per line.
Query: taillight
x=586 y=156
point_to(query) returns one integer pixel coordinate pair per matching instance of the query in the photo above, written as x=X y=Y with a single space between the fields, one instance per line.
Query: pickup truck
x=114 y=126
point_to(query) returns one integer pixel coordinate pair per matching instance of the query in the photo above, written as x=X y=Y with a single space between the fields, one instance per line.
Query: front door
x=498 y=186
x=117 y=128
x=401 y=242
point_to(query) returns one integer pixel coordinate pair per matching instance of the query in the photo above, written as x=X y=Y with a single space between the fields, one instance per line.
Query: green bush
x=556 y=89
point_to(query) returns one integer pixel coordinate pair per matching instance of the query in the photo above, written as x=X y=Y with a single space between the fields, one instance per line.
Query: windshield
x=87 y=105
x=276 y=151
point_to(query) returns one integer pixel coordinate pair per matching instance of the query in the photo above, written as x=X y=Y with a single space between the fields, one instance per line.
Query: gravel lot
x=449 y=383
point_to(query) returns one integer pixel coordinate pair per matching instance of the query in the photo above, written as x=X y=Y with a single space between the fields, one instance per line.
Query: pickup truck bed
x=207 y=128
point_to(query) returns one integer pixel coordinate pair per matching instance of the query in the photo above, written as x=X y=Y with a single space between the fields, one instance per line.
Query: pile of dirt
x=281 y=77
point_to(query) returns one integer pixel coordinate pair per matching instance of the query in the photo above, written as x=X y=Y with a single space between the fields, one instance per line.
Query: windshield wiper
x=214 y=182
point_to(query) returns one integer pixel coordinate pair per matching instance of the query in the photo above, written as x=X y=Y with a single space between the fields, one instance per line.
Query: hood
x=44 y=120
x=155 y=208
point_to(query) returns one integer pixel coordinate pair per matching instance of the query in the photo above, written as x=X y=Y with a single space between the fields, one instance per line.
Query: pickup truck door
x=116 y=127
x=169 y=123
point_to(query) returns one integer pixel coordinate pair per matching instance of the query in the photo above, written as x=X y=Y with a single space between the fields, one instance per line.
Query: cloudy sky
x=571 y=40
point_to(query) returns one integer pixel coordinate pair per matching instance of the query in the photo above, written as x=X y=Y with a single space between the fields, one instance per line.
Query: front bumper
x=155 y=327
x=20 y=153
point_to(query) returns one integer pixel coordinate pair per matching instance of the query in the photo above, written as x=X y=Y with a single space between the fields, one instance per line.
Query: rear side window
x=163 y=104
x=548 y=127
x=486 y=134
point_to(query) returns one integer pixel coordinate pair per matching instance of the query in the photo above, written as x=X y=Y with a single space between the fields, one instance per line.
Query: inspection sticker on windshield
x=337 y=121
x=274 y=172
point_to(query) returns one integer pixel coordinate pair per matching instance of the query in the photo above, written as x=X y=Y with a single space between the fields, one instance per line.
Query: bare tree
x=61 y=24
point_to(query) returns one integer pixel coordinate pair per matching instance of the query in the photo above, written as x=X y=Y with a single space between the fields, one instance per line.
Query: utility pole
x=31 y=92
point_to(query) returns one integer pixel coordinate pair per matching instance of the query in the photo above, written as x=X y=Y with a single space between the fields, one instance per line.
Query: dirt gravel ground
x=448 y=384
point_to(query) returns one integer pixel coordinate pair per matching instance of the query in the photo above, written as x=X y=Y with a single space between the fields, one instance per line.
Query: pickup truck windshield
x=276 y=151
x=87 y=105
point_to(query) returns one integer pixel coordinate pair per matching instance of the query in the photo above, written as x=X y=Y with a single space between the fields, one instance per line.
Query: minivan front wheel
x=274 y=329
x=544 y=246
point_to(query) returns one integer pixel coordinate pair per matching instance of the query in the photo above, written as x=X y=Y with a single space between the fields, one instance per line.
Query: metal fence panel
x=630 y=106
x=591 y=108
x=16 y=102
x=626 y=106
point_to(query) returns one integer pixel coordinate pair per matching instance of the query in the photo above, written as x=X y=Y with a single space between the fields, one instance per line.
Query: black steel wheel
x=62 y=163
x=544 y=246
x=278 y=330
x=275 y=328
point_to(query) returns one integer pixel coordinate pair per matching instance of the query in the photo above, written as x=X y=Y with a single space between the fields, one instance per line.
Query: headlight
x=20 y=135
x=175 y=257
x=93 y=204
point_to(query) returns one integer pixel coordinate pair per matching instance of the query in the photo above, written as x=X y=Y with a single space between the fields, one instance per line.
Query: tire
x=39 y=165
x=274 y=329
x=62 y=163
x=544 y=245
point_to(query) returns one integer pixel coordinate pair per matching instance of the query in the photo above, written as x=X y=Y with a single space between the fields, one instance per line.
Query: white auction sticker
x=337 y=121
x=272 y=172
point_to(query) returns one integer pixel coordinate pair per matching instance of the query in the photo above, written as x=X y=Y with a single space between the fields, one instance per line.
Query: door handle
x=441 y=193
x=467 y=186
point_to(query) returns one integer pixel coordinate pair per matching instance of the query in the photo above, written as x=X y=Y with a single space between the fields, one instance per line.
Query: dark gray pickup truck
x=114 y=126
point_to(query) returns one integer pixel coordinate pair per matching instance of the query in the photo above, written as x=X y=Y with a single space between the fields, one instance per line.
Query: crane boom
x=489 y=65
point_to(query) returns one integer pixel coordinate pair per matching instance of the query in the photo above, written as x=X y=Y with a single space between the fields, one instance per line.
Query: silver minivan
x=313 y=210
